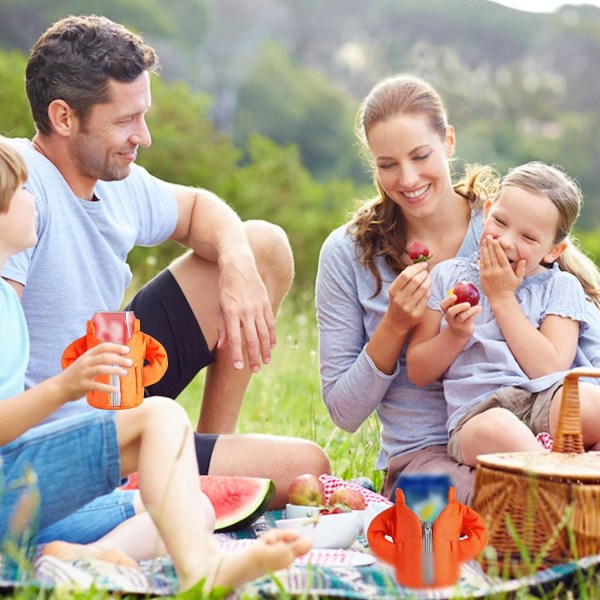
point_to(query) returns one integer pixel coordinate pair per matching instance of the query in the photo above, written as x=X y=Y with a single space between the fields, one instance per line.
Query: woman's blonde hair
x=564 y=192
x=13 y=173
x=378 y=225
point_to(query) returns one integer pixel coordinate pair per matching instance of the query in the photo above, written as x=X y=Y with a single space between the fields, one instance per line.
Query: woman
x=369 y=295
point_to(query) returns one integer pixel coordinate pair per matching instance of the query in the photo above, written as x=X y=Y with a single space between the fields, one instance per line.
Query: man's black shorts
x=166 y=315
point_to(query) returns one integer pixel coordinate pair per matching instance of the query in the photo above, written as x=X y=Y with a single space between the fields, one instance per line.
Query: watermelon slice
x=238 y=501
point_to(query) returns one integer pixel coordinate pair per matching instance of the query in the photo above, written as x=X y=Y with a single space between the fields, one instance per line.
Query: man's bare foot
x=274 y=550
x=68 y=551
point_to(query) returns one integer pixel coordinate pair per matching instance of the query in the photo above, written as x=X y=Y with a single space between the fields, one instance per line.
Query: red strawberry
x=336 y=509
x=418 y=252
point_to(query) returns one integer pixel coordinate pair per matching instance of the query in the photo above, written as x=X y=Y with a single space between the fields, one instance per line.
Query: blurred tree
x=274 y=185
x=289 y=103
x=15 y=117
x=186 y=148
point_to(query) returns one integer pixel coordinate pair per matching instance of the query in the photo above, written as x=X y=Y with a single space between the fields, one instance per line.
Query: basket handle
x=568 y=436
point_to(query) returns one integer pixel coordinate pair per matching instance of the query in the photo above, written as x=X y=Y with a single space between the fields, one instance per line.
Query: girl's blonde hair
x=13 y=173
x=378 y=225
x=564 y=192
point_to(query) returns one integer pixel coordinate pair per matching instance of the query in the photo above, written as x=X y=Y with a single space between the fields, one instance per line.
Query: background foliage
x=256 y=100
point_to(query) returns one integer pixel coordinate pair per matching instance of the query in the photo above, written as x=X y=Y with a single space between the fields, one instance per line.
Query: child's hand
x=497 y=276
x=104 y=359
x=460 y=317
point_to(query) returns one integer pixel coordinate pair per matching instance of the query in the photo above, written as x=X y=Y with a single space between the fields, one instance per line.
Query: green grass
x=285 y=398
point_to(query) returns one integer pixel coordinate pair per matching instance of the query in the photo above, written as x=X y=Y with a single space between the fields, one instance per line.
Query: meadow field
x=285 y=397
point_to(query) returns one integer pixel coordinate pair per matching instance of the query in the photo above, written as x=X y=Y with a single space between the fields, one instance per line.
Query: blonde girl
x=503 y=360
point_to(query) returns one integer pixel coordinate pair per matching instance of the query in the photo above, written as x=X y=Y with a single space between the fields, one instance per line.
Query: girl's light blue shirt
x=486 y=363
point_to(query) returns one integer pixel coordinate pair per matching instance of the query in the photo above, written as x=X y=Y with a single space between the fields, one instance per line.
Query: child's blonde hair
x=13 y=173
x=566 y=195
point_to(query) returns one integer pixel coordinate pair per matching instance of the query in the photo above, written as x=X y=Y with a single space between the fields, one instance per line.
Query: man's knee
x=314 y=459
x=272 y=252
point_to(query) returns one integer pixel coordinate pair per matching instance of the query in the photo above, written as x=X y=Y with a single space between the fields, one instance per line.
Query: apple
x=306 y=490
x=349 y=497
x=465 y=291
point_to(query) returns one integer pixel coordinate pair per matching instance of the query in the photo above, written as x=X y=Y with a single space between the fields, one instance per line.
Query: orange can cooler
x=148 y=356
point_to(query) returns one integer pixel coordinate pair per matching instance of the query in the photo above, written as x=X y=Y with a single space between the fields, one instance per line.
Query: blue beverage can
x=426 y=494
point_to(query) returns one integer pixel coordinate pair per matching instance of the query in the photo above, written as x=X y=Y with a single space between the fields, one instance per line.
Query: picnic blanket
x=333 y=573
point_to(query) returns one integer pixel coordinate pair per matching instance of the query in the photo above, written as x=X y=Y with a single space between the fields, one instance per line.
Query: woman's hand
x=498 y=280
x=408 y=295
x=104 y=359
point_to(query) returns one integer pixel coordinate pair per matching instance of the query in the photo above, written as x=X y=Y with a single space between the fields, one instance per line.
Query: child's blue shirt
x=14 y=343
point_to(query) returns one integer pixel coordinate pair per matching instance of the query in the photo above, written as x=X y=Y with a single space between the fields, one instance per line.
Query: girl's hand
x=408 y=295
x=104 y=359
x=460 y=317
x=498 y=279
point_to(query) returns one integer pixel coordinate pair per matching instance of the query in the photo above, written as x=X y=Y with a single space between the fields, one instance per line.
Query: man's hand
x=245 y=315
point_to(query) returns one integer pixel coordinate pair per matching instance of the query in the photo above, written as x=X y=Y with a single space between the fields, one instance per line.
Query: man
x=88 y=85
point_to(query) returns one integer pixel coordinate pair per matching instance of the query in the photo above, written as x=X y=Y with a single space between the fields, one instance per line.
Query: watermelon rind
x=249 y=498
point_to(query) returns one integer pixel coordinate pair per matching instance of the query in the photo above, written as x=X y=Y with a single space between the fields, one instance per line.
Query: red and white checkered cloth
x=332 y=483
x=334 y=558
x=317 y=557
x=545 y=439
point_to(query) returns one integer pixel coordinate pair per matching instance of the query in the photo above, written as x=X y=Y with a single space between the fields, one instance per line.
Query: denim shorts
x=55 y=469
x=93 y=520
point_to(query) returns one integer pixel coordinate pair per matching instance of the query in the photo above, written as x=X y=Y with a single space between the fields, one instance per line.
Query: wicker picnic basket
x=548 y=495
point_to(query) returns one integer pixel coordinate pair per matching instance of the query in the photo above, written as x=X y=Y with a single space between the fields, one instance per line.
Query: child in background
x=51 y=470
x=503 y=361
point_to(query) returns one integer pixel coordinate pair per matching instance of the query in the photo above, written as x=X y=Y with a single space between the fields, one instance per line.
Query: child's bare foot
x=68 y=551
x=274 y=550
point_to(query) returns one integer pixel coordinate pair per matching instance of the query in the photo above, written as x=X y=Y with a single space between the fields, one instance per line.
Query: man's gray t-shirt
x=78 y=265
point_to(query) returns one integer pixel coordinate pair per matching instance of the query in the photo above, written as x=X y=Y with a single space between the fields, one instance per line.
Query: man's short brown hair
x=74 y=59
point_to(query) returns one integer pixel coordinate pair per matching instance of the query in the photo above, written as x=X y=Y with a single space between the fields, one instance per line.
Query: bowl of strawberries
x=329 y=528
x=334 y=523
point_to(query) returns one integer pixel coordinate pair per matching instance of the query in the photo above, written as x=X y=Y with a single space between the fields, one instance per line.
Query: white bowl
x=296 y=511
x=327 y=531
x=372 y=510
